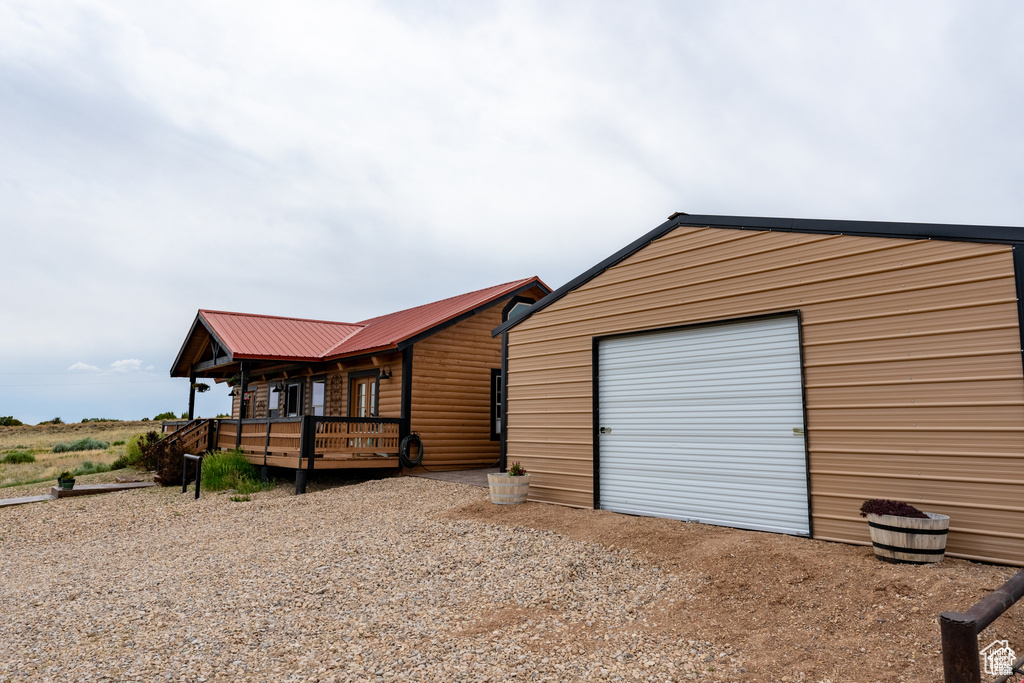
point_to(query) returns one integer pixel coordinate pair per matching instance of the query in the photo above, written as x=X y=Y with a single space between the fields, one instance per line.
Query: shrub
x=134 y=452
x=54 y=421
x=881 y=506
x=165 y=457
x=230 y=470
x=86 y=444
x=89 y=467
x=18 y=457
x=165 y=416
x=99 y=419
x=117 y=443
x=10 y=421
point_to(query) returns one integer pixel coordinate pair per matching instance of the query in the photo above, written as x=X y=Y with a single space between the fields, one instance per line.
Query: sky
x=340 y=160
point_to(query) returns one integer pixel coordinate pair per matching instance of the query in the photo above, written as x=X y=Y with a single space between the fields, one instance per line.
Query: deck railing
x=309 y=439
x=333 y=437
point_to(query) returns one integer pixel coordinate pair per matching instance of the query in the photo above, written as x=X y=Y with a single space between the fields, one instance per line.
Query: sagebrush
x=86 y=444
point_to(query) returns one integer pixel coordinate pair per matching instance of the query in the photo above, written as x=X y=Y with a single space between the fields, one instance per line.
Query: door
x=705 y=423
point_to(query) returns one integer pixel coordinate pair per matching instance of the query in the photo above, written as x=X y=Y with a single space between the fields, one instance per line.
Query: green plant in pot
x=902 y=534
x=66 y=480
x=511 y=487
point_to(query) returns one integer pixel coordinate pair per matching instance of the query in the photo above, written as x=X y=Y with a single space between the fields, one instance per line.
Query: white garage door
x=706 y=424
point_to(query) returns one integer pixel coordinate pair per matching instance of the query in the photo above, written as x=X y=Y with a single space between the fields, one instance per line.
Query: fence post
x=960 y=661
x=184 y=472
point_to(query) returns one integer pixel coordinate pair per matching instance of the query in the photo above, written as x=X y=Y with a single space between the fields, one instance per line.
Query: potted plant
x=511 y=487
x=902 y=534
x=65 y=480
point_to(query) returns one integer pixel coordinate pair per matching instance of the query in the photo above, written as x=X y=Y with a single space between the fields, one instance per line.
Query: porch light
x=233 y=392
x=385 y=372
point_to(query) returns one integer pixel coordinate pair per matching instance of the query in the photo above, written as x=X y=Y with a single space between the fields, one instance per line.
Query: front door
x=363 y=401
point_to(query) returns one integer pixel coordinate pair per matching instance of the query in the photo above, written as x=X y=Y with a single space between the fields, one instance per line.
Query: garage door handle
x=606 y=430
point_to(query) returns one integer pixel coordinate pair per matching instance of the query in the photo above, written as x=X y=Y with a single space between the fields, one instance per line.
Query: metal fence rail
x=184 y=472
x=960 y=655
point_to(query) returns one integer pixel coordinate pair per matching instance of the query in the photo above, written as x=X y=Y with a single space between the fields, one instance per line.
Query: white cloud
x=128 y=365
x=81 y=367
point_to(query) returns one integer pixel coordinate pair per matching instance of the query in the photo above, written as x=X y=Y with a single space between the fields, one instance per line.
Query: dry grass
x=40 y=440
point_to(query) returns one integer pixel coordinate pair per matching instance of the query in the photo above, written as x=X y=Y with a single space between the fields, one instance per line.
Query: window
x=516 y=307
x=495 y=404
x=273 y=400
x=317 y=399
x=362 y=397
x=293 y=400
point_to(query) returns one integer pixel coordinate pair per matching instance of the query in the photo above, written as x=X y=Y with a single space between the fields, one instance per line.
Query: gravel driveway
x=362 y=582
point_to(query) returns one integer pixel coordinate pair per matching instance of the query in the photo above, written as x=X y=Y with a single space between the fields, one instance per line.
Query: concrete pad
x=93 y=489
x=9 y=502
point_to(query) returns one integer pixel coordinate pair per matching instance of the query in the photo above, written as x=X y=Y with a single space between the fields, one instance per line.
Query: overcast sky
x=340 y=160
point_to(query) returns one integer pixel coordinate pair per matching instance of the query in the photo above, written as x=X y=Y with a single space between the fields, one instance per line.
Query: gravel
x=362 y=582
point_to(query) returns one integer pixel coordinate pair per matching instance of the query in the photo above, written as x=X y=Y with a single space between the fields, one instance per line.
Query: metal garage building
x=772 y=374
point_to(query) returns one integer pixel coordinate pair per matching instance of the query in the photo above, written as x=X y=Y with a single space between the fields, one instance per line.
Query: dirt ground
x=796 y=609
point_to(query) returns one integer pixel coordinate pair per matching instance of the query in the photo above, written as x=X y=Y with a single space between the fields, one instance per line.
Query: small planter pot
x=508 y=490
x=66 y=484
x=909 y=540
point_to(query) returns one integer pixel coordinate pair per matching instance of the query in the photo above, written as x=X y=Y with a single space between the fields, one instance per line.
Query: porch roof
x=245 y=336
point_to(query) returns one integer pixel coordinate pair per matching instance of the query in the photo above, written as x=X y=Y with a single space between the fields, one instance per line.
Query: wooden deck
x=338 y=443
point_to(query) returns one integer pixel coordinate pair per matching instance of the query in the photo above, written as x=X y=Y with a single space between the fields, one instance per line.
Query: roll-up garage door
x=705 y=423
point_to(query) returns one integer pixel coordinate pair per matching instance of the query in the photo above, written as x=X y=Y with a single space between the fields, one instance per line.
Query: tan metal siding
x=912 y=369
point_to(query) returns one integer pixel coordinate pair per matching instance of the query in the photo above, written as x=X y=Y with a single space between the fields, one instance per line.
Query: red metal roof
x=265 y=336
x=387 y=331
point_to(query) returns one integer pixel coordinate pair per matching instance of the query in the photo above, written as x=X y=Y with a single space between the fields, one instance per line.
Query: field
x=39 y=440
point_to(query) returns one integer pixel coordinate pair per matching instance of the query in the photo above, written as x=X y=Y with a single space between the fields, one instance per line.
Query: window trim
x=496 y=404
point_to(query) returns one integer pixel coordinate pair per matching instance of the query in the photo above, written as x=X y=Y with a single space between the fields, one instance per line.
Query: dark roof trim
x=191 y=330
x=534 y=282
x=956 y=233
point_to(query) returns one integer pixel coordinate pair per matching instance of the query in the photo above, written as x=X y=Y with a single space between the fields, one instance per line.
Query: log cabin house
x=422 y=383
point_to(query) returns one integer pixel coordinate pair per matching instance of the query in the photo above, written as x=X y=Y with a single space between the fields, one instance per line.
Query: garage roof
x=957 y=233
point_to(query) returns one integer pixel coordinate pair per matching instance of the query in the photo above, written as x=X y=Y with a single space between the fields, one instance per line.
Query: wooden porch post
x=406 y=405
x=191 y=396
x=242 y=381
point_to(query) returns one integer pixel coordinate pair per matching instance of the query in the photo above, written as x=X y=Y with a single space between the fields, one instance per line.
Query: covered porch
x=303 y=444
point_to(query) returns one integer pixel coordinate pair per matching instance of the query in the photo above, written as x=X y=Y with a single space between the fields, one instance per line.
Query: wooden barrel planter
x=909 y=540
x=508 y=490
